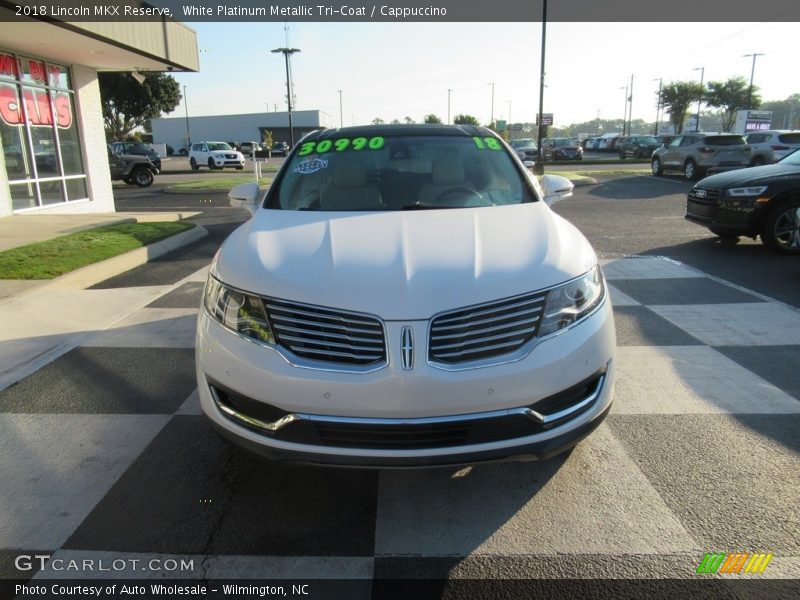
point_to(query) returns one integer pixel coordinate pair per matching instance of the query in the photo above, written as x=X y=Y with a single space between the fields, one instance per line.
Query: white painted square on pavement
x=621 y=298
x=646 y=267
x=56 y=468
x=691 y=380
x=151 y=328
x=594 y=500
x=747 y=324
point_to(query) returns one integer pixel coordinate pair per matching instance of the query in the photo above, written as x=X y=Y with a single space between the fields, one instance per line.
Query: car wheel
x=143 y=177
x=781 y=231
x=656 y=167
x=723 y=234
x=622 y=155
x=758 y=161
x=211 y=164
x=690 y=170
x=193 y=164
x=129 y=181
x=239 y=168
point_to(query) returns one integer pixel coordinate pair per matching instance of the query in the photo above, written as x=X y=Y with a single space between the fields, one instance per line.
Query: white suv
x=767 y=147
x=215 y=155
x=404 y=296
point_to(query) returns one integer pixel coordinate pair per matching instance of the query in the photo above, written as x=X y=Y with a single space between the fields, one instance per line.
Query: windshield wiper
x=421 y=206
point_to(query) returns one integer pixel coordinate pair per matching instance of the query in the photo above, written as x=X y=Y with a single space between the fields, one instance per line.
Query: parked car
x=605 y=142
x=665 y=140
x=247 y=148
x=561 y=149
x=280 y=149
x=526 y=149
x=694 y=154
x=131 y=168
x=215 y=155
x=137 y=149
x=380 y=310
x=770 y=146
x=763 y=201
x=592 y=143
x=637 y=146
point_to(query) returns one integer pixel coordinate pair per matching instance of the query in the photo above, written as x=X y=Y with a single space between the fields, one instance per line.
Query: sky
x=394 y=70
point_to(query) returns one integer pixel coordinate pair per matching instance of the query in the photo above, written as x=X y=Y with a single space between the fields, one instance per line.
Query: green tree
x=409 y=121
x=785 y=113
x=465 y=120
x=432 y=118
x=128 y=104
x=395 y=121
x=731 y=96
x=677 y=96
x=377 y=121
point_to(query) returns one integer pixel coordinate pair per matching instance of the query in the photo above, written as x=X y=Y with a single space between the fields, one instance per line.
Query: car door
x=671 y=156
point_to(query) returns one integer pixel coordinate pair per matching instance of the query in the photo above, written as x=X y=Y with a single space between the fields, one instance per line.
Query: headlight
x=569 y=303
x=240 y=312
x=747 y=191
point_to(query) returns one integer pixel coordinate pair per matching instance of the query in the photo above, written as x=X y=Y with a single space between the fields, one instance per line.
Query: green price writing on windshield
x=487 y=142
x=340 y=145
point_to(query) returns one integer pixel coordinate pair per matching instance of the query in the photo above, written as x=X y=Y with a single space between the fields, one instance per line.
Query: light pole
x=702 y=74
x=186 y=108
x=538 y=168
x=630 y=106
x=625 y=111
x=509 y=112
x=752 y=73
x=341 y=118
x=449 y=91
x=286 y=53
x=491 y=118
x=658 y=105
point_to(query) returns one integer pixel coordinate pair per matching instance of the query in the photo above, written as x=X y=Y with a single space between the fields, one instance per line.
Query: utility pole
x=752 y=73
x=702 y=75
x=449 y=91
x=186 y=108
x=539 y=166
x=630 y=107
x=625 y=111
x=341 y=118
x=491 y=118
x=658 y=106
x=286 y=53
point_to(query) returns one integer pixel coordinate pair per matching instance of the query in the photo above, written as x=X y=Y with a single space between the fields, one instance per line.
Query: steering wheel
x=458 y=190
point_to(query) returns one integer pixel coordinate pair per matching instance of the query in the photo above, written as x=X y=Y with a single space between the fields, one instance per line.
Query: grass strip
x=217 y=183
x=51 y=258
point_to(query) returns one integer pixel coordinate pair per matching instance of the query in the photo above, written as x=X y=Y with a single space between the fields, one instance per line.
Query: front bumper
x=403 y=404
x=742 y=215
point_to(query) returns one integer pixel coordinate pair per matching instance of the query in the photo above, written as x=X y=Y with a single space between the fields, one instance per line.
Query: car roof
x=398 y=130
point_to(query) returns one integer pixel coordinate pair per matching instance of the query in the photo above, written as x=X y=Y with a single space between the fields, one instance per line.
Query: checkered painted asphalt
x=104 y=454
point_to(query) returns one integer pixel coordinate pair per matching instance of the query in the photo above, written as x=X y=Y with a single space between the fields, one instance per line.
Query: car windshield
x=400 y=173
x=219 y=146
x=724 y=140
x=522 y=143
x=791 y=159
x=648 y=140
x=563 y=142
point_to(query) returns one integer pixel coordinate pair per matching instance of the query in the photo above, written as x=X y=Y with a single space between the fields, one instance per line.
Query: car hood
x=749 y=176
x=403 y=265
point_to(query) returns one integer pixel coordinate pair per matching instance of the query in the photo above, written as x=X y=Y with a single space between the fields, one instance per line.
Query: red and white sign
x=37 y=106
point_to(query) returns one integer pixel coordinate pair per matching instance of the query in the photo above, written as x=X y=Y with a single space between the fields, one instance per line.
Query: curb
x=91 y=274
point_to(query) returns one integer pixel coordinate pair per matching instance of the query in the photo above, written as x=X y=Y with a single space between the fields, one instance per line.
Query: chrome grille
x=485 y=330
x=327 y=335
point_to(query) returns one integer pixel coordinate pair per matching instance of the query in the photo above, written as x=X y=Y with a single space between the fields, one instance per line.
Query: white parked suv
x=215 y=155
x=405 y=296
x=767 y=147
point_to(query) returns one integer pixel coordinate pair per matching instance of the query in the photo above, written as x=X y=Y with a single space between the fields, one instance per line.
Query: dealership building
x=179 y=132
x=54 y=157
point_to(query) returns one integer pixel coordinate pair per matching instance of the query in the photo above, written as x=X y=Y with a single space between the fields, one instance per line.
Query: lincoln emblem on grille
x=407 y=347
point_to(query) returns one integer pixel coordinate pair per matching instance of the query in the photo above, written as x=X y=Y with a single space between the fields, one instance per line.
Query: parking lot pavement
x=104 y=454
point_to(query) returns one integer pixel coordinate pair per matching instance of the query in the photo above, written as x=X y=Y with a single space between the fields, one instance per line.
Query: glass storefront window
x=38 y=129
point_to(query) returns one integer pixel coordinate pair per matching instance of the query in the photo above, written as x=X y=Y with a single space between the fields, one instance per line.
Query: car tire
x=239 y=168
x=129 y=181
x=781 y=229
x=690 y=170
x=656 y=167
x=724 y=234
x=193 y=164
x=758 y=161
x=143 y=177
x=622 y=155
x=211 y=166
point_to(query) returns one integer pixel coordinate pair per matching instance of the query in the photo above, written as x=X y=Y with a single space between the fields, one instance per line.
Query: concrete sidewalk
x=42 y=319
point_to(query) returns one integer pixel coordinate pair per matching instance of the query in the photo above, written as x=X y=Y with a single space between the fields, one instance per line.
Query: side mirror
x=529 y=164
x=245 y=195
x=556 y=188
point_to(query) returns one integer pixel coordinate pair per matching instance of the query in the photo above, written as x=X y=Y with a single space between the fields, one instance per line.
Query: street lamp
x=630 y=106
x=341 y=118
x=625 y=111
x=491 y=118
x=509 y=112
x=658 y=105
x=286 y=53
x=186 y=108
x=702 y=74
x=752 y=73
